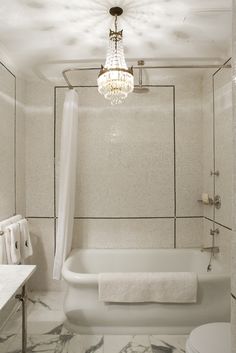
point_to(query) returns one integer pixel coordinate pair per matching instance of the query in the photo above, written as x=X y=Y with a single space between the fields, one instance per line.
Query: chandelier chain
x=115 y=23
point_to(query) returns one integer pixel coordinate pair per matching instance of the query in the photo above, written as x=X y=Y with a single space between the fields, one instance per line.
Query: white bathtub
x=86 y=314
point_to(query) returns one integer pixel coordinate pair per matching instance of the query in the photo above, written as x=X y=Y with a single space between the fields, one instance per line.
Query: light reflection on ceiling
x=39 y=31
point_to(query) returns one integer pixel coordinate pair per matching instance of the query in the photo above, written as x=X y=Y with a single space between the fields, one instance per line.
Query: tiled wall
x=223 y=154
x=11 y=152
x=39 y=180
x=141 y=167
x=217 y=133
x=20 y=145
x=7 y=154
x=7 y=143
x=233 y=263
x=223 y=145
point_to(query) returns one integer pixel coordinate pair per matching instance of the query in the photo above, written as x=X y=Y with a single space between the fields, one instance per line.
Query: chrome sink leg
x=23 y=298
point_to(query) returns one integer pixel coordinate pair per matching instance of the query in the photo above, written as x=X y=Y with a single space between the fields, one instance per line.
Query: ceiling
x=35 y=32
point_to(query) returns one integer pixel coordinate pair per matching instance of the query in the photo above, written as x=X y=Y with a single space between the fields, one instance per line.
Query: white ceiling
x=39 y=31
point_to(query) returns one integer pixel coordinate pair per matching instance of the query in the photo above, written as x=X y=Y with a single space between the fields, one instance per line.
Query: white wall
x=138 y=181
x=7 y=143
x=223 y=145
x=20 y=144
x=39 y=180
x=233 y=264
x=12 y=135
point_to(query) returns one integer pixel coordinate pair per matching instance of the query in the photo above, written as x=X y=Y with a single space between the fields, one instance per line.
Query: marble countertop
x=12 y=277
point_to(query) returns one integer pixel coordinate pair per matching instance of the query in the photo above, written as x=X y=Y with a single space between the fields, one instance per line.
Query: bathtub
x=85 y=314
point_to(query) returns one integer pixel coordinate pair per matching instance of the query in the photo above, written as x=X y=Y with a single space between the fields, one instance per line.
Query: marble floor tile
x=13 y=324
x=71 y=343
x=42 y=321
x=47 y=300
x=39 y=315
x=35 y=344
x=66 y=331
x=5 y=341
x=48 y=333
x=44 y=327
x=168 y=343
x=126 y=344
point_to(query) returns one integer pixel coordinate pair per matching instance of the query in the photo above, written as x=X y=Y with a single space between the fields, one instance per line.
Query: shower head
x=140 y=88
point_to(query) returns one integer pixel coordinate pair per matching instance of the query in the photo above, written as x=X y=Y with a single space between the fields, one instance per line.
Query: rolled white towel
x=8 y=245
x=162 y=287
x=3 y=250
x=14 y=236
x=5 y=239
x=8 y=221
x=3 y=253
x=15 y=218
x=25 y=241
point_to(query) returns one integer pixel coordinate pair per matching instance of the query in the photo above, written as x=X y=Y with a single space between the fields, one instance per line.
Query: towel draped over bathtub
x=139 y=287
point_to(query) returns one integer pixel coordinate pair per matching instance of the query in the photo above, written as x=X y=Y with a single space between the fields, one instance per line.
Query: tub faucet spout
x=213 y=249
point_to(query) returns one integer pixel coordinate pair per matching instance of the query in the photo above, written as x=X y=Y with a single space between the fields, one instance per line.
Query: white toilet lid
x=210 y=338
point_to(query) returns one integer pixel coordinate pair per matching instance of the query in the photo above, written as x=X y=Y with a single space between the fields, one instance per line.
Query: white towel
x=14 y=219
x=8 y=245
x=14 y=236
x=3 y=253
x=8 y=221
x=5 y=240
x=162 y=287
x=26 y=249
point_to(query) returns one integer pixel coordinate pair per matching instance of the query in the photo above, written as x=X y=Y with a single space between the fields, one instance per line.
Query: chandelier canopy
x=115 y=80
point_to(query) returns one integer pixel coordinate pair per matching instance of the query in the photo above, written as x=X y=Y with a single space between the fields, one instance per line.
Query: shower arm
x=66 y=71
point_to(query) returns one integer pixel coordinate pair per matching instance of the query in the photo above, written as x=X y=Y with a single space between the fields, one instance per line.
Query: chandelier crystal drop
x=115 y=80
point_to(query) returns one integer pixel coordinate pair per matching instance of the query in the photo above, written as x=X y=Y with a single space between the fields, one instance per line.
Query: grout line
x=54 y=163
x=167 y=217
x=7 y=69
x=223 y=67
x=158 y=217
x=214 y=142
x=39 y=217
x=174 y=143
x=219 y=224
x=15 y=162
x=189 y=217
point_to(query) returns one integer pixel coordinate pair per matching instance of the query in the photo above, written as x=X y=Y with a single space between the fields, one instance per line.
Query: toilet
x=210 y=338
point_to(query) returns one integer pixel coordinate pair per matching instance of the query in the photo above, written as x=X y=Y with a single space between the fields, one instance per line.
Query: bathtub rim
x=73 y=277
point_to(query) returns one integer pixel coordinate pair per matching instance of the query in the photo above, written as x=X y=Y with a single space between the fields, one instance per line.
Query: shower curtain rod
x=64 y=72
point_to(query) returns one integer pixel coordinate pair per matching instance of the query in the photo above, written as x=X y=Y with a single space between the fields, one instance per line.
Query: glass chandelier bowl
x=115 y=80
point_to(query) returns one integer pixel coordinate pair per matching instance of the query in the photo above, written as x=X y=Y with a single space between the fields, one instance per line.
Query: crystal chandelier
x=115 y=80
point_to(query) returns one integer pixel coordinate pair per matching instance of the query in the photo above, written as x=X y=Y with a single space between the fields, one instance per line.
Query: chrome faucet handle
x=217 y=202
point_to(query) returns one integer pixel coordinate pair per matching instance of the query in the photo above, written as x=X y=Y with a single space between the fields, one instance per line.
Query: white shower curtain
x=67 y=181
